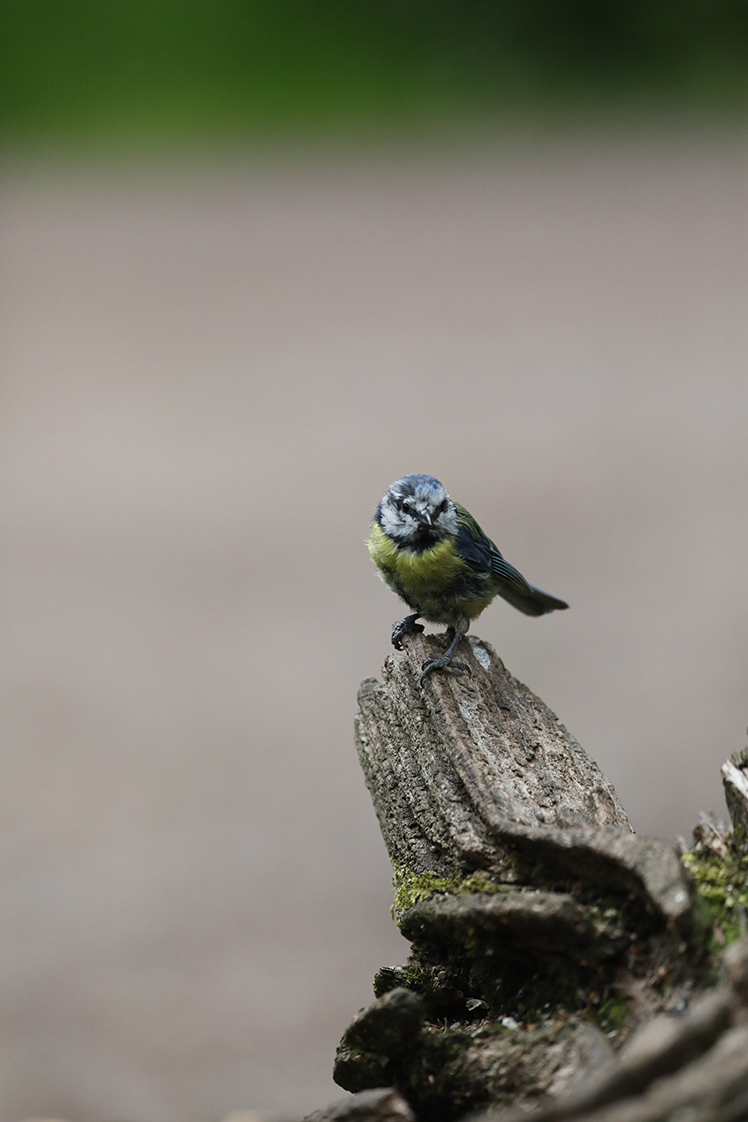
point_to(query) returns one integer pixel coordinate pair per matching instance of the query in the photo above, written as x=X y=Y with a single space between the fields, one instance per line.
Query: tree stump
x=544 y=931
x=476 y=774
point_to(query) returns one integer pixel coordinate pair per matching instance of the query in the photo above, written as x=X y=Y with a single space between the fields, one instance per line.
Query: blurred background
x=260 y=259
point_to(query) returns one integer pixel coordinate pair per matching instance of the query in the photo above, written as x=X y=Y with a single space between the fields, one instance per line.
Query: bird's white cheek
x=447 y=522
x=398 y=525
x=389 y=521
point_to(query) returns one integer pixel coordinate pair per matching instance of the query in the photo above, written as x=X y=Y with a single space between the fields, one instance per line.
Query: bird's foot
x=446 y=660
x=407 y=626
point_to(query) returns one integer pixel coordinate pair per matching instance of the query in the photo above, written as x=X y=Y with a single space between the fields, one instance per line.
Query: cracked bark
x=532 y=908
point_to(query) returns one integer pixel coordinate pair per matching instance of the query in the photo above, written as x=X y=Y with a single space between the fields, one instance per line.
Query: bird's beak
x=427 y=519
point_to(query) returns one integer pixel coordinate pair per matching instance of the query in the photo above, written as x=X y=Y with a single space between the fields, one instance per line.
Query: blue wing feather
x=475 y=551
x=507 y=574
x=483 y=556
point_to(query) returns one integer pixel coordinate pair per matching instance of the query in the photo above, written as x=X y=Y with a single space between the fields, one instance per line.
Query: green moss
x=611 y=1015
x=411 y=888
x=722 y=882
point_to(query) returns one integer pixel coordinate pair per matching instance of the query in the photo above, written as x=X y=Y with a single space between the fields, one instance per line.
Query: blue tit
x=434 y=555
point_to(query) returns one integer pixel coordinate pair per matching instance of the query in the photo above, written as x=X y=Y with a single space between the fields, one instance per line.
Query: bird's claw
x=407 y=626
x=442 y=663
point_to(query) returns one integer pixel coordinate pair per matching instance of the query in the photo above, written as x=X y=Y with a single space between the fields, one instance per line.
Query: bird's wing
x=483 y=555
x=472 y=544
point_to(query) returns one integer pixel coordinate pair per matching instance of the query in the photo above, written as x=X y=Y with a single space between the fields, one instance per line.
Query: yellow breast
x=419 y=573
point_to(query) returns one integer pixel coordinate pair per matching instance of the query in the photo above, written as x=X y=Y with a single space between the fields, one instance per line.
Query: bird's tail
x=532 y=602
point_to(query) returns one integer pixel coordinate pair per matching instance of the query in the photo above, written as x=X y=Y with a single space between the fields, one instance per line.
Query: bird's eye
x=407 y=508
x=442 y=506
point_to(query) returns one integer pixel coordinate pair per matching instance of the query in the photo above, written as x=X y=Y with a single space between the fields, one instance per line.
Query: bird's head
x=416 y=512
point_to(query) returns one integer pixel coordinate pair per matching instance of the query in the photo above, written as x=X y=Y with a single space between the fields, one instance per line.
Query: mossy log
x=545 y=934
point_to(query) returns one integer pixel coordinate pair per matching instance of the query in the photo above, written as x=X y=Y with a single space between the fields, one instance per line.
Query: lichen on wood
x=718 y=864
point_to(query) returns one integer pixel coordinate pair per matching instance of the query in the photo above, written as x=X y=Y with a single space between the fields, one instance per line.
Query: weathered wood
x=735 y=782
x=532 y=908
x=453 y=764
x=714 y=1088
x=469 y=772
x=661 y=1047
x=530 y=922
x=451 y=1070
x=382 y=1105
x=696 y=1063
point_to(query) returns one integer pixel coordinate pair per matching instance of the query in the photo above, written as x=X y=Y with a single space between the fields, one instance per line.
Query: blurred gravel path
x=209 y=378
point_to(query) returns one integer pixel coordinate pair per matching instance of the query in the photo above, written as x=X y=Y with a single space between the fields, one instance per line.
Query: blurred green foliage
x=155 y=68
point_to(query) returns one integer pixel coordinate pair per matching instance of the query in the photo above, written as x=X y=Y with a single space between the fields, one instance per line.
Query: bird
x=434 y=555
